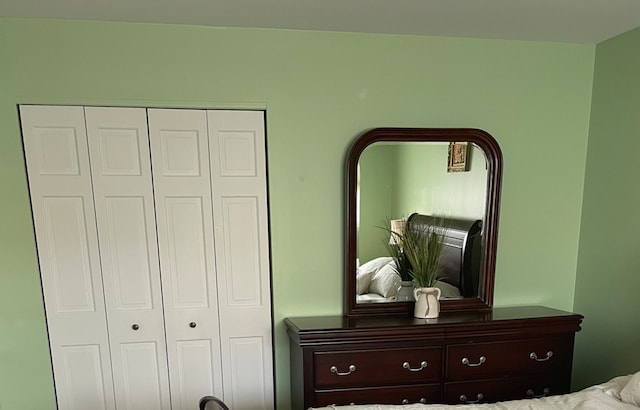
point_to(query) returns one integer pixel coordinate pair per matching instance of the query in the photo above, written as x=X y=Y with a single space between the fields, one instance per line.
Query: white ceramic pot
x=427 y=303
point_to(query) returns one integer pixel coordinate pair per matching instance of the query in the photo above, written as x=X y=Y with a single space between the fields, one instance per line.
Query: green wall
x=608 y=278
x=320 y=90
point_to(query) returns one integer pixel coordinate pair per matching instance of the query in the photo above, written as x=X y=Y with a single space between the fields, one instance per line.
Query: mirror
x=419 y=173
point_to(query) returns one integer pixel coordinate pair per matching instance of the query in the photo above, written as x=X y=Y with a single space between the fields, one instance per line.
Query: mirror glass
x=451 y=176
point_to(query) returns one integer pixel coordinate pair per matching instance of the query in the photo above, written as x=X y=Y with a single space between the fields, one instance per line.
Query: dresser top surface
x=496 y=316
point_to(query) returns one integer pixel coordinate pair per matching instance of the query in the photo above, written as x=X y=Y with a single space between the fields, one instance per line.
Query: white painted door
x=239 y=181
x=63 y=211
x=182 y=184
x=156 y=284
x=124 y=203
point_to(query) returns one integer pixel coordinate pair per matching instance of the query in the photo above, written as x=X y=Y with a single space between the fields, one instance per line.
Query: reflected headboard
x=461 y=253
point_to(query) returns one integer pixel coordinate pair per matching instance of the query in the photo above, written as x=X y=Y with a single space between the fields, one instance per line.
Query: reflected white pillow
x=386 y=281
x=363 y=279
x=448 y=290
x=631 y=392
x=374 y=265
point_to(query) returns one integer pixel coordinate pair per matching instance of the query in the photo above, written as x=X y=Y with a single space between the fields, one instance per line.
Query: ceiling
x=572 y=21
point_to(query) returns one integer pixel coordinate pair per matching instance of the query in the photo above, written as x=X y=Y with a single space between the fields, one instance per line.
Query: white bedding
x=378 y=281
x=620 y=393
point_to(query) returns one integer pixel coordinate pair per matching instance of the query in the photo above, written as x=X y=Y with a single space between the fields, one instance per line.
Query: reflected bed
x=377 y=280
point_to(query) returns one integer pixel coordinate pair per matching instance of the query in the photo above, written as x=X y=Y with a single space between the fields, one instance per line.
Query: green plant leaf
x=423 y=246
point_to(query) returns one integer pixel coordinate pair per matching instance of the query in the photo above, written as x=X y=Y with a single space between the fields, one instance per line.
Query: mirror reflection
x=427 y=183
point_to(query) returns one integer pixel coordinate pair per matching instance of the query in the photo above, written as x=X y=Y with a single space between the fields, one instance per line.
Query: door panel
x=129 y=253
x=83 y=377
x=193 y=377
x=247 y=376
x=62 y=203
x=70 y=272
x=118 y=148
x=187 y=252
x=182 y=185
x=238 y=172
x=236 y=152
x=243 y=282
x=124 y=203
x=142 y=376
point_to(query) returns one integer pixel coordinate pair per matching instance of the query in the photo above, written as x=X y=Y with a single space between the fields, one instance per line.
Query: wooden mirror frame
x=493 y=155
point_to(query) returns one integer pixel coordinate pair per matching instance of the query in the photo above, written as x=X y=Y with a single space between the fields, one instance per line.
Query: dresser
x=460 y=357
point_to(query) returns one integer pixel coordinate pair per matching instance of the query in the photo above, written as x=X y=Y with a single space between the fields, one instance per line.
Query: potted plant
x=422 y=245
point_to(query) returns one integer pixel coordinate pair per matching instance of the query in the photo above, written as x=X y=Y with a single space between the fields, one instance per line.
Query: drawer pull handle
x=464 y=399
x=422 y=400
x=407 y=366
x=352 y=368
x=534 y=356
x=468 y=363
x=545 y=392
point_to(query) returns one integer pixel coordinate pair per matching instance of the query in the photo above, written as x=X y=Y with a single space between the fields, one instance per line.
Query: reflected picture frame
x=458 y=160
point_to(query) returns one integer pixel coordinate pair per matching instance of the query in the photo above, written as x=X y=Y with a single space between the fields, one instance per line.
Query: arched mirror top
x=452 y=175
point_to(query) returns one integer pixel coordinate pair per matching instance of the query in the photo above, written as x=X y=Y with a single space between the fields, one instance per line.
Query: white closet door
x=238 y=169
x=182 y=184
x=62 y=203
x=121 y=169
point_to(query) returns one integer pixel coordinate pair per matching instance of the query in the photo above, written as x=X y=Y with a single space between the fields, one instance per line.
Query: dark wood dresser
x=500 y=354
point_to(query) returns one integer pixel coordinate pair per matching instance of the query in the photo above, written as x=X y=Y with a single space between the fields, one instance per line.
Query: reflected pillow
x=363 y=279
x=374 y=265
x=448 y=290
x=386 y=281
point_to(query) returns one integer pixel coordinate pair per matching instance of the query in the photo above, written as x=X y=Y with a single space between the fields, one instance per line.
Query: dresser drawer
x=377 y=367
x=511 y=388
x=516 y=358
x=428 y=393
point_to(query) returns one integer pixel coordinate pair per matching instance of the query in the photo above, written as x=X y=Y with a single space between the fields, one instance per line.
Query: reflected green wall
x=608 y=280
x=431 y=190
x=377 y=169
x=397 y=180
x=320 y=91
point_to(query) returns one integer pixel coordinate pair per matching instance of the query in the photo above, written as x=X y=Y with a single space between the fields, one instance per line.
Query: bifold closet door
x=239 y=179
x=125 y=215
x=182 y=185
x=152 y=235
x=59 y=174
x=211 y=200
